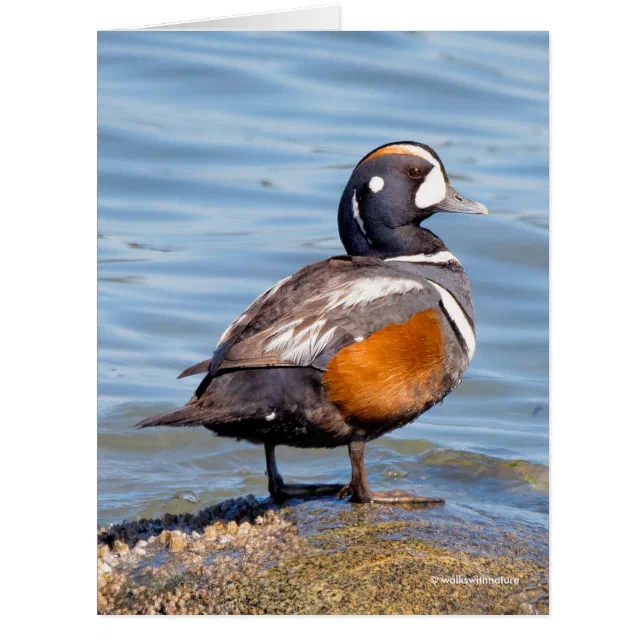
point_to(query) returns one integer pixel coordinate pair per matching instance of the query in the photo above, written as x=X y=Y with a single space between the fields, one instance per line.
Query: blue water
x=222 y=158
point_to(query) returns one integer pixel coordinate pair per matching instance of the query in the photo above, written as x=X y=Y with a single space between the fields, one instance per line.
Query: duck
x=354 y=346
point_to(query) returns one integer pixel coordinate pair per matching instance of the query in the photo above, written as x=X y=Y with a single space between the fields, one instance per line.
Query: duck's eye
x=414 y=173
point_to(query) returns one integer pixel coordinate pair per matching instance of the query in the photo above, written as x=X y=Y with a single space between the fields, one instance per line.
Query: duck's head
x=391 y=191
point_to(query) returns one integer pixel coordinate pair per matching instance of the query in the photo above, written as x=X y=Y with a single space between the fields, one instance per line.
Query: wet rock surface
x=249 y=556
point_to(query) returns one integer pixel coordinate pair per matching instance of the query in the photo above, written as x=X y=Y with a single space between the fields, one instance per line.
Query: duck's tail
x=185 y=416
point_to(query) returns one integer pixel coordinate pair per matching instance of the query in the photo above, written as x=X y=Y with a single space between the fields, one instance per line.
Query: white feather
x=300 y=346
x=273 y=289
x=281 y=336
x=367 y=289
x=442 y=257
x=308 y=349
x=453 y=309
x=303 y=345
x=228 y=332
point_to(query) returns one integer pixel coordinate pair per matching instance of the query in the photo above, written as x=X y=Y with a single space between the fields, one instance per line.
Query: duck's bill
x=456 y=202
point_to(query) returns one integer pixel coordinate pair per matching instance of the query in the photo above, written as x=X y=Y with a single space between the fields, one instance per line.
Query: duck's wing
x=308 y=318
x=232 y=333
x=265 y=312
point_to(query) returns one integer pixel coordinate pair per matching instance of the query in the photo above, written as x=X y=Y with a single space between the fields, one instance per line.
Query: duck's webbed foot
x=357 y=491
x=281 y=491
x=359 y=495
x=402 y=496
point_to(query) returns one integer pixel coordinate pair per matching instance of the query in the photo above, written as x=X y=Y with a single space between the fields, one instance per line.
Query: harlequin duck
x=353 y=346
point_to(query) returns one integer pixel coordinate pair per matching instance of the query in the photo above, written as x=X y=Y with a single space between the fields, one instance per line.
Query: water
x=222 y=158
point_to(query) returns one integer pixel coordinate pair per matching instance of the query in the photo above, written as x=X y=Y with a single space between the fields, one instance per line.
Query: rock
x=326 y=558
x=120 y=548
x=178 y=541
x=393 y=473
x=232 y=528
x=211 y=532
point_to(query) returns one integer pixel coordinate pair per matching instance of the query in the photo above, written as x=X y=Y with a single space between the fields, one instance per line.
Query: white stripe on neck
x=357 y=217
x=454 y=311
x=442 y=257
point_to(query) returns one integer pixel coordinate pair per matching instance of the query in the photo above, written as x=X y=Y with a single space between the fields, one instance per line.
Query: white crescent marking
x=432 y=190
x=453 y=309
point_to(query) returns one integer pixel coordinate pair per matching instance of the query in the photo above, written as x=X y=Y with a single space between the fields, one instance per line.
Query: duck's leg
x=280 y=491
x=358 y=489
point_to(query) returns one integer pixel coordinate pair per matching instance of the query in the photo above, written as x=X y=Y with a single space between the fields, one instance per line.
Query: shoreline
x=251 y=556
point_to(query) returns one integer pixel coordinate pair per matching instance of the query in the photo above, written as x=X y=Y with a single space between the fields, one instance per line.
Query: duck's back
x=346 y=346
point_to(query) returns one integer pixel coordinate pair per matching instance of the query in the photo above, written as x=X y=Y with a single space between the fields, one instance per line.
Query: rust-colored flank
x=395 y=371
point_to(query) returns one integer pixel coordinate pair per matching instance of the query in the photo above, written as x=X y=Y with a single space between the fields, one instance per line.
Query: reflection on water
x=222 y=157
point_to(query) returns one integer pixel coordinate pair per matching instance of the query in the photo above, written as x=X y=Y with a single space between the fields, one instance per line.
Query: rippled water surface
x=222 y=158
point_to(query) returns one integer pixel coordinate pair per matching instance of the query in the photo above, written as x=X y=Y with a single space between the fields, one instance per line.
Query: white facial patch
x=432 y=190
x=376 y=184
x=457 y=316
x=271 y=416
